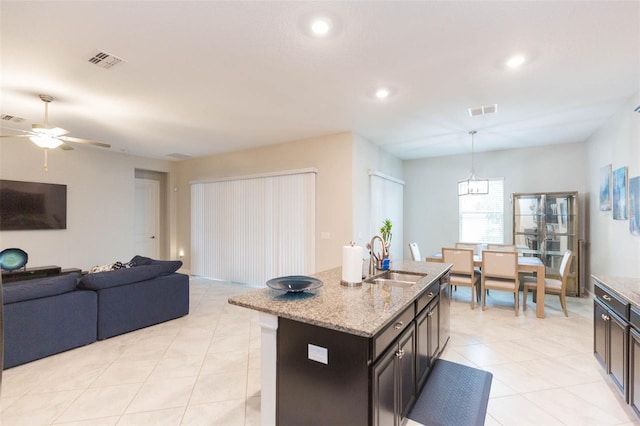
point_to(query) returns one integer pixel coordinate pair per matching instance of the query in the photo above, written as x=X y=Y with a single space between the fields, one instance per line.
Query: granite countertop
x=626 y=287
x=362 y=310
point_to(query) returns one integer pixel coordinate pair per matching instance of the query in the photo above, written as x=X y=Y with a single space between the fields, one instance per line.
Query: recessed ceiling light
x=320 y=27
x=383 y=93
x=515 y=61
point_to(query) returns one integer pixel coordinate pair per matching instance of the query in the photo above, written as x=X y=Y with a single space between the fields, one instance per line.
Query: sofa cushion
x=117 y=277
x=169 y=266
x=38 y=288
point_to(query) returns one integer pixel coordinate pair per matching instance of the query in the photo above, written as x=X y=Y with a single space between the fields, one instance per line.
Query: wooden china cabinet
x=545 y=225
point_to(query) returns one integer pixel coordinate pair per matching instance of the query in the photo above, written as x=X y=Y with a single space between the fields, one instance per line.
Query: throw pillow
x=118 y=277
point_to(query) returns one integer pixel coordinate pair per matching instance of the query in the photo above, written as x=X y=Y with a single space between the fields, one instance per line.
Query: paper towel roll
x=352 y=264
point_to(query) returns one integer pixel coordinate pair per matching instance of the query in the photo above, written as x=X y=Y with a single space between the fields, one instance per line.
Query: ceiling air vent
x=105 y=60
x=178 y=156
x=482 y=110
x=12 y=118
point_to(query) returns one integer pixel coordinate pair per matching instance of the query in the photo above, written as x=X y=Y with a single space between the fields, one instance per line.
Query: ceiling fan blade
x=15 y=130
x=66 y=147
x=87 y=141
x=15 y=136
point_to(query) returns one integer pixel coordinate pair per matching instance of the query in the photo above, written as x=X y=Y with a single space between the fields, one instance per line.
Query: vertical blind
x=481 y=216
x=386 y=199
x=253 y=229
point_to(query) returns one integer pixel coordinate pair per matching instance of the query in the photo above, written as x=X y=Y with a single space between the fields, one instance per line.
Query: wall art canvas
x=620 y=193
x=634 y=205
x=605 y=188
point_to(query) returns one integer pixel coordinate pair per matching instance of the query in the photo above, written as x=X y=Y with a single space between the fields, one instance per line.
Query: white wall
x=431 y=200
x=368 y=156
x=100 y=203
x=613 y=250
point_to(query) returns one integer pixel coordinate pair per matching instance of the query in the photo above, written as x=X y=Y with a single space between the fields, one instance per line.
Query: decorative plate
x=13 y=258
x=294 y=283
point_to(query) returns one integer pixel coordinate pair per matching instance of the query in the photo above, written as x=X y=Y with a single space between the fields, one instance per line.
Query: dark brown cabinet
x=634 y=359
x=444 y=327
x=394 y=381
x=634 y=370
x=611 y=336
x=427 y=341
x=329 y=377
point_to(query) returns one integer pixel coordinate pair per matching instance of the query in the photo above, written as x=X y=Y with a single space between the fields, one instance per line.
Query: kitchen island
x=350 y=355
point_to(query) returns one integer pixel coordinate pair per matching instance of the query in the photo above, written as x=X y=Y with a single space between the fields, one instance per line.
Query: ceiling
x=200 y=78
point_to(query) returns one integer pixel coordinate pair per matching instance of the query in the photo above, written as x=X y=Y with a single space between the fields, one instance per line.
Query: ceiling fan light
x=48 y=130
x=46 y=141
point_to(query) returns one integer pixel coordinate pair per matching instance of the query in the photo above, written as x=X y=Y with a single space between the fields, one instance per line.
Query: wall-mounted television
x=32 y=205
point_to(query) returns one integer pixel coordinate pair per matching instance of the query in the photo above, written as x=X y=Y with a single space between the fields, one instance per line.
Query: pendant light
x=473 y=184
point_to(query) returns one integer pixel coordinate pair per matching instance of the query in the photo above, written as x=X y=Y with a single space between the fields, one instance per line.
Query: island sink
x=395 y=279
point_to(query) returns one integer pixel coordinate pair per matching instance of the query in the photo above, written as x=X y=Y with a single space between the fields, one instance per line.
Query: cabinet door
x=423 y=355
x=384 y=389
x=634 y=370
x=527 y=223
x=434 y=339
x=618 y=352
x=600 y=333
x=407 y=370
x=444 y=328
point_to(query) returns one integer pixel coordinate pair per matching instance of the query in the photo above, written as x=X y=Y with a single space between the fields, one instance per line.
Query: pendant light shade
x=473 y=184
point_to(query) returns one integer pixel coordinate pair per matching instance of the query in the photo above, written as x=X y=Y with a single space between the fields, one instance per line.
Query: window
x=481 y=217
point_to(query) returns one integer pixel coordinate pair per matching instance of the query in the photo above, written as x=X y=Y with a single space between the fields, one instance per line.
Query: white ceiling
x=201 y=78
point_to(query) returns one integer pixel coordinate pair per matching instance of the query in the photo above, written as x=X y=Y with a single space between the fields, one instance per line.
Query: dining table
x=525 y=264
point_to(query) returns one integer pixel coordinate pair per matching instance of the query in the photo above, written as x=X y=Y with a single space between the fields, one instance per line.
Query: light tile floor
x=204 y=369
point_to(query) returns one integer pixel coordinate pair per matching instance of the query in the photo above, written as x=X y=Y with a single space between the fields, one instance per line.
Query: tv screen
x=32 y=205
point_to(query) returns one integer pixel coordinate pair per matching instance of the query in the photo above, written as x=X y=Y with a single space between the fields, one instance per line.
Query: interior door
x=147 y=218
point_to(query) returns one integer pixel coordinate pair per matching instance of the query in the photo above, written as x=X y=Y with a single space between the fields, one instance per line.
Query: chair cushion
x=499 y=284
x=38 y=288
x=464 y=280
x=550 y=285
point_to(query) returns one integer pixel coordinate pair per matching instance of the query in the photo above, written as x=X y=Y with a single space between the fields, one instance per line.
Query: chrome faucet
x=377 y=264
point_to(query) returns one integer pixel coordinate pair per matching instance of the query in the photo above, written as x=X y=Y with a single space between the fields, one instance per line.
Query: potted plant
x=385 y=231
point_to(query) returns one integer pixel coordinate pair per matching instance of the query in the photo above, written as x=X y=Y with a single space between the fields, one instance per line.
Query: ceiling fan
x=49 y=137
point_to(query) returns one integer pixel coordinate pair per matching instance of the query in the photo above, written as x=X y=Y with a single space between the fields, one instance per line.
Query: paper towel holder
x=349 y=283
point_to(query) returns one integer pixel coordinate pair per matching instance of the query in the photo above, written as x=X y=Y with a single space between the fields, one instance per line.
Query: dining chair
x=415 y=251
x=500 y=272
x=473 y=246
x=462 y=271
x=501 y=247
x=551 y=285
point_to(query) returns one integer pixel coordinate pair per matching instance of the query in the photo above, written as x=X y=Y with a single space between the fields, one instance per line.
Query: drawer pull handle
x=430 y=294
x=605 y=317
x=398 y=325
x=400 y=354
x=430 y=314
x=607 y=298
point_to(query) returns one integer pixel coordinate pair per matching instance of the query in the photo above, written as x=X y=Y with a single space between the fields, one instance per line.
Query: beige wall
x=100 y=203
x=330 y=155
x=613 y=250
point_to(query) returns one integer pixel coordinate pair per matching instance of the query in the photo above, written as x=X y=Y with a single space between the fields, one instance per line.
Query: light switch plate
x=318 y=354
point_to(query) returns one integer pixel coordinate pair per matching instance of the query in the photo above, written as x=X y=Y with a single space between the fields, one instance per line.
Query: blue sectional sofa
x=51 y=315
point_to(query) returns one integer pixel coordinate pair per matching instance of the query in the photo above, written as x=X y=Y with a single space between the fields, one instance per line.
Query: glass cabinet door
x=527 y=217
